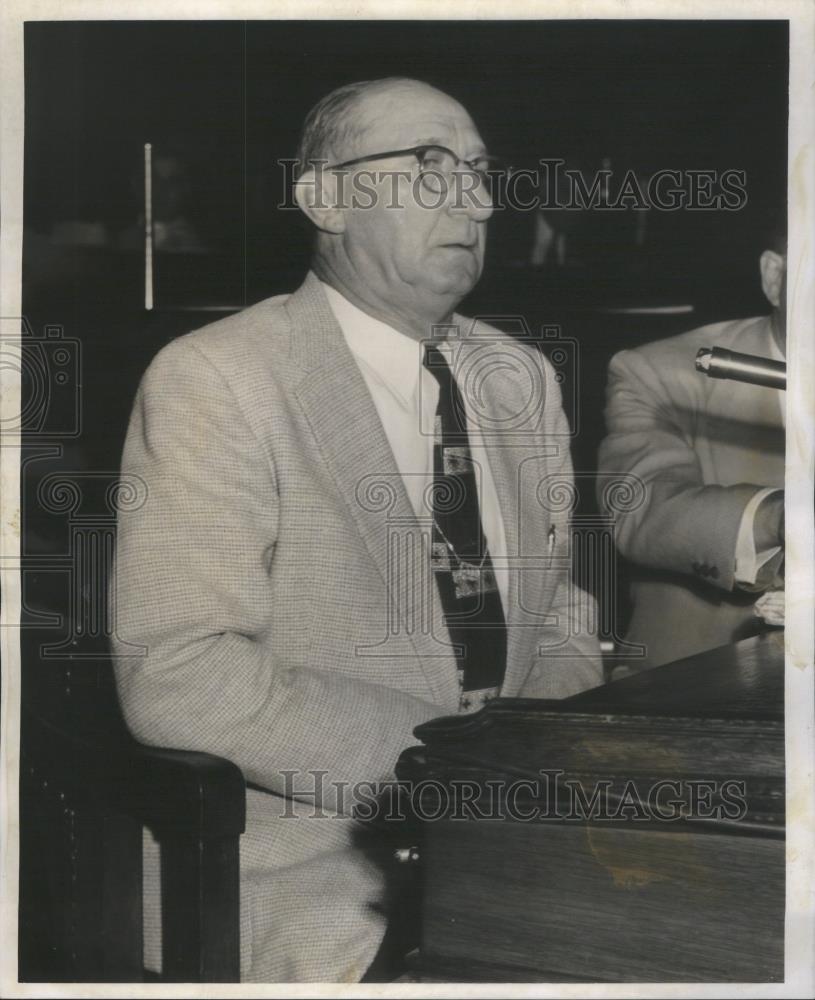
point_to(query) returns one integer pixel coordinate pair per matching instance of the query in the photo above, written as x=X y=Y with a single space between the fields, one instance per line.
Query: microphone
x=715 y=362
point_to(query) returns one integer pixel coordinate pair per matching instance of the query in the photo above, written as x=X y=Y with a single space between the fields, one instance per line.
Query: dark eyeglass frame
x=500 y=167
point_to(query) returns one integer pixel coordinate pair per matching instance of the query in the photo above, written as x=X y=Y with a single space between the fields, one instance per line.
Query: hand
x=768 y=526
x=770 y=608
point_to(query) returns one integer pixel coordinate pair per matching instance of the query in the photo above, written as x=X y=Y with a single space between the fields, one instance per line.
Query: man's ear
x=773 y=266
x=316 y=193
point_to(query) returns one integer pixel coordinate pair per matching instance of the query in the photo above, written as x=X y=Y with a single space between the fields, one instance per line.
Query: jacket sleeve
x=675 y=521
x=191 y=589
x=568 y=657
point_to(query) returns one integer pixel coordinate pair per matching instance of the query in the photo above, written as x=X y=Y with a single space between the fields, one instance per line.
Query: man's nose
x=470 y=194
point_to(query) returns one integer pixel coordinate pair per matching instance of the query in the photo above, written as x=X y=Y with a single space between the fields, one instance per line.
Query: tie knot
x=451 y=406
x=436 y=363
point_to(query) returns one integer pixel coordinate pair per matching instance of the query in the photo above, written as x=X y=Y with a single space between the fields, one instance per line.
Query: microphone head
x=703 y=358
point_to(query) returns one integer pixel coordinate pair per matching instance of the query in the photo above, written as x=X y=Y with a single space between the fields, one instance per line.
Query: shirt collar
x=391 y=356
x=775 y=350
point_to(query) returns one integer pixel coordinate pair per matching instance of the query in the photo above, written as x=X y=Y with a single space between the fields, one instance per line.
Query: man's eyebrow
x=432 y=140
x=480 y=150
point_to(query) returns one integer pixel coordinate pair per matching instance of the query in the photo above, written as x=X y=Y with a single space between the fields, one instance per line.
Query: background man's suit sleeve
x=683 y=524
x=191 y=585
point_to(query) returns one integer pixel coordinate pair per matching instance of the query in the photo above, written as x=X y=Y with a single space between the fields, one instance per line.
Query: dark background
x=225 y=101
x=231 y=96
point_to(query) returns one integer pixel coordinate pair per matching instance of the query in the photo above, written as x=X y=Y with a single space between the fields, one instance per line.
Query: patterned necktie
x=461 y=560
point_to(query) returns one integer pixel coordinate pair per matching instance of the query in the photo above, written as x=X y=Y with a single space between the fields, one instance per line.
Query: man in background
x=708 y=539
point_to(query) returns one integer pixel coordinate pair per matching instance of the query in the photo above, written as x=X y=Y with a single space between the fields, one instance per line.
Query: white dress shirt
x=406 y=395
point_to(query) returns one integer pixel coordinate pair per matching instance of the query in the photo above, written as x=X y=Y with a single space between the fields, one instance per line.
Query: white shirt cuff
x=748 y=561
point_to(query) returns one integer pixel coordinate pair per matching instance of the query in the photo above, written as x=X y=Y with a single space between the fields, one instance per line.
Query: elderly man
x=344 y=534
x=709 y=537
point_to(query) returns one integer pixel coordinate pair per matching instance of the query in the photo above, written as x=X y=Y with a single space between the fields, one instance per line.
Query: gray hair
x=330 y=123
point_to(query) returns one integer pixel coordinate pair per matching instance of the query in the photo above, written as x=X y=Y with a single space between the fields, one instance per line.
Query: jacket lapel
x=356 y=451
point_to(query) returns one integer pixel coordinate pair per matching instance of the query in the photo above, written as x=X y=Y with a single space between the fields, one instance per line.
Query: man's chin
x=455 y=281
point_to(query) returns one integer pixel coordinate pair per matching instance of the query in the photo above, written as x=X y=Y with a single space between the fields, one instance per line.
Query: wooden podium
x=632 y=833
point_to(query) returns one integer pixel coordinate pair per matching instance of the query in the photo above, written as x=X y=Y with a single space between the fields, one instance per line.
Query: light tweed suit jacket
x=701 y=447
x=282 y=632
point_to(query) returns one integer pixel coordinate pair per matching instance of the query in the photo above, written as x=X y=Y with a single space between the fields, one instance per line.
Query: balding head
x=334 y=124
x=395 y=245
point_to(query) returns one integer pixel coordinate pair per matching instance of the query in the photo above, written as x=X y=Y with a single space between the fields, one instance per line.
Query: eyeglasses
x=436 y=166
